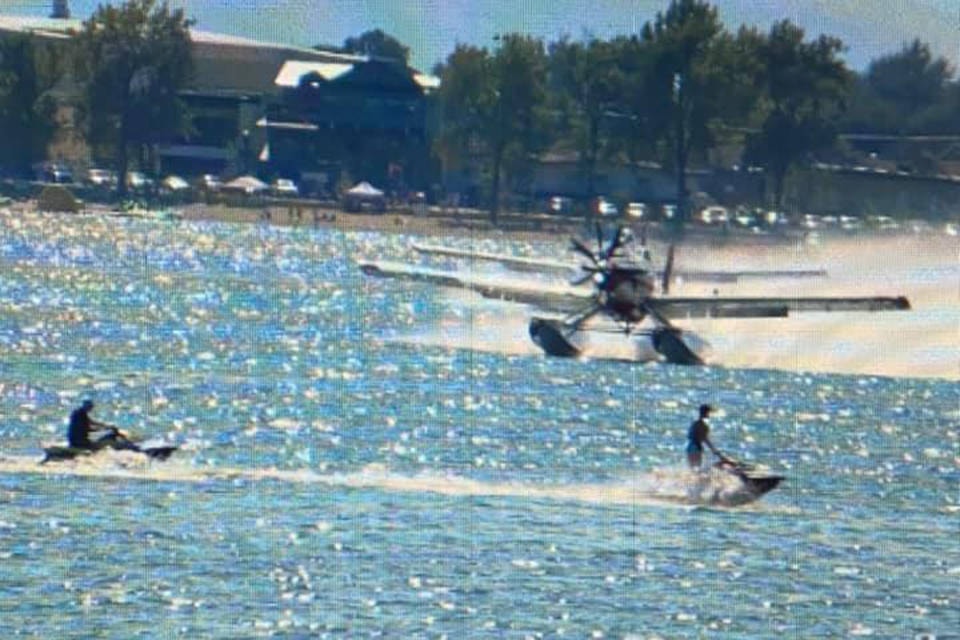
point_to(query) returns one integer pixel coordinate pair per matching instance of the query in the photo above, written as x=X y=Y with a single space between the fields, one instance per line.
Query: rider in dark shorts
x=697 y=436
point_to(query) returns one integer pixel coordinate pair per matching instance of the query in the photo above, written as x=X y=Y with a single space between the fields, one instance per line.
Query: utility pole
x=681 y=152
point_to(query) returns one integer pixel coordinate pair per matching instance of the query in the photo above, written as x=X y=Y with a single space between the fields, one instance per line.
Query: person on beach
x=82 y=425
x=699 y=435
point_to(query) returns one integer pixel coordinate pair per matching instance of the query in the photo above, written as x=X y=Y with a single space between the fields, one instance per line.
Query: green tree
x=907 y=92
x=494 y=103
x=910 y=80
x=133 y=60
x=379 y=44
x=462 y=105
x=685 y=87
x=806 y=84
x=28 y=72
x=587 y=84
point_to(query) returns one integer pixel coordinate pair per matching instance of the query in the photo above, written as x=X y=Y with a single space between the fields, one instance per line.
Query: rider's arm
x=715 y=451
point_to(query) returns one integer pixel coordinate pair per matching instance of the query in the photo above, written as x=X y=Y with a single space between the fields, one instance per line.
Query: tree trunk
x=495 y=185
x=122 y=163
x=681 y=176
x=779 y=178
x=591 y=159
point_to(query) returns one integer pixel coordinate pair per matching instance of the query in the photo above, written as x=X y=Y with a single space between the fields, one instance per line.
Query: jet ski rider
x=697 y=436
x=81 y=425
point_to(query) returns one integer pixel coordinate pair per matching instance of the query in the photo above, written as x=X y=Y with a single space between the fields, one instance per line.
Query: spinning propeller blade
x=615 y=243
x=582 y=249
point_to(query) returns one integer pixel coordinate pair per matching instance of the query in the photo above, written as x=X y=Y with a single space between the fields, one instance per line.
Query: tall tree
x=494 y=104
x=910 y=80
x=133 y=61
x=904 y=93
x=685 y=91
x=28 y=72
x=518 y=128
x=806 y=85
x=379 y=44
x=588 y=84
x=463 y=105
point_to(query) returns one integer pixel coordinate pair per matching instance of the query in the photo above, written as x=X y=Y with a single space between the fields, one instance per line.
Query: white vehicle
x=103 y=178
x=175 y=183
x=605 y=208
x=138 y=181
x=714 y=215
x=746 y=219
x=636 y=210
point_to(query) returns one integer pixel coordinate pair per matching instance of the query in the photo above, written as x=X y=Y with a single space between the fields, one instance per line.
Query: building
x=277 y=109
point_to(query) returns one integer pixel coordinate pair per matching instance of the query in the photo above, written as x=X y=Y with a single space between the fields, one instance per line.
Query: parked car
x=559 y=205
x=637 y=210
x=605 y=208
x=745 y=218
x=102 y=178
x=174 y=184
x=714 y=215
x=284 y=188
x=138 y=181
x=56 y=173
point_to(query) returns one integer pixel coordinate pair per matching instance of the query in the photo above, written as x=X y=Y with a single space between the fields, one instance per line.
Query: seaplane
x=621 y=287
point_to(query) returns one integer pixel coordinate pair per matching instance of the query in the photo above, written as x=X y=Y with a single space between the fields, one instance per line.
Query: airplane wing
x=770 y=307
x=733 y=276
x=551 y=298
x=520 y=263
x=515 y=262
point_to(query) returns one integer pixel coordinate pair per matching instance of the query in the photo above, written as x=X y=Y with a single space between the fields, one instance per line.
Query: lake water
x=340 y=476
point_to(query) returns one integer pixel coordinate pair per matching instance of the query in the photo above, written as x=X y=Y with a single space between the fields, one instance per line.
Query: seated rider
x=697 y=436
x=81 y=425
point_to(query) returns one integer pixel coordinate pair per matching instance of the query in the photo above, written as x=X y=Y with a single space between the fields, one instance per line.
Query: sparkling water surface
x=338 y=478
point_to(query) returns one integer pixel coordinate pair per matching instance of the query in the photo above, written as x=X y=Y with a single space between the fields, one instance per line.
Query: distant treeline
x=685 y=89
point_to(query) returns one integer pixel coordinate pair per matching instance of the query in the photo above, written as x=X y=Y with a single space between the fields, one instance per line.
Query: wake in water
x=663 y=487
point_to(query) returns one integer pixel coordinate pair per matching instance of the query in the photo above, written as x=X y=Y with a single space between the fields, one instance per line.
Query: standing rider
x=697 y=436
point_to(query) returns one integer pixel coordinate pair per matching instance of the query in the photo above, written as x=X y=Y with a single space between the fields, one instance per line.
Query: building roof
x=228 y=63
x=293 y=70
x=221 y=61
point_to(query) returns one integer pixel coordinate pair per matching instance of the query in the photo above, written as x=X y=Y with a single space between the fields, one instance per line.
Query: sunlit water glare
x=345 y=472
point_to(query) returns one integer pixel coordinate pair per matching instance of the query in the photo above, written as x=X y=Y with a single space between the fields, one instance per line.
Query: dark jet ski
x=757 y=482
x=118 y=441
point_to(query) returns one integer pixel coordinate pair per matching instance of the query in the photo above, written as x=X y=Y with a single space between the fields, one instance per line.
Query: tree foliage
x=588 y=84
x=378 y=44
x=28 y=72
x=905 y=93
x=133 y=60
x=806 y=85
x=686 y=86
x=494 y=104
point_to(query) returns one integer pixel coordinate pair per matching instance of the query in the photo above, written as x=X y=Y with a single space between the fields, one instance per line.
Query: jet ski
x=121 y=442
x=755 y=481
